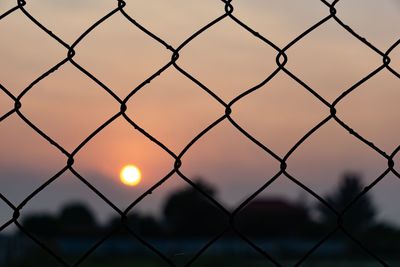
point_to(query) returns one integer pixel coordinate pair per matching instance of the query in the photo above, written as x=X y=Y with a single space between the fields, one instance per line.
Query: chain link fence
x=227 y=13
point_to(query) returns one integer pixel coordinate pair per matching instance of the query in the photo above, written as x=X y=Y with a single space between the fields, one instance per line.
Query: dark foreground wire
x=281 y=60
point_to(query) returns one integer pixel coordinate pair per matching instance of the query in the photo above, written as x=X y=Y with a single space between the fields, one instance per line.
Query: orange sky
x=68 y=106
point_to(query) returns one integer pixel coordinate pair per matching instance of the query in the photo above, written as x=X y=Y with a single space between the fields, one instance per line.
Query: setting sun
x=130 y=175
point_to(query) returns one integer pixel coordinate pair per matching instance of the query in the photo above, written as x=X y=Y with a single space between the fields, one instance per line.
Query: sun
x=130 y=175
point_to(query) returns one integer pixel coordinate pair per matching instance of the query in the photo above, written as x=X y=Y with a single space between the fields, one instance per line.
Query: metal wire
x=227 y=13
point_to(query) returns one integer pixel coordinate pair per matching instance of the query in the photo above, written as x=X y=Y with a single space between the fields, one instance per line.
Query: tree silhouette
x=187 y=212
x=360 y=216
x=76 y=218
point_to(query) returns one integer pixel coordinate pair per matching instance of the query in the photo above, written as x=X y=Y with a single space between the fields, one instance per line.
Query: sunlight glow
x=130 y=175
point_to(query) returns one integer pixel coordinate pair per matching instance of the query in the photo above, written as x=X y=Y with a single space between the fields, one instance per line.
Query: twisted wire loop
x=281 y=62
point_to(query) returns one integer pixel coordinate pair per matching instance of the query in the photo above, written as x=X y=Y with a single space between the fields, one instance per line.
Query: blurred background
x=284 y=220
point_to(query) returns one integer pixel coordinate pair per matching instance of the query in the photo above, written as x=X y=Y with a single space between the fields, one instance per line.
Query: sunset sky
x=68 y=106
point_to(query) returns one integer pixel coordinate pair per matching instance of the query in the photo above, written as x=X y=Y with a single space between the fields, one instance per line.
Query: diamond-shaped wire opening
x=381 y=34
x=21 y=155
x=69 y=226
x=69 y=95
x=153 y=109
x=68 y=19
x=372 y=108
x=26 y=53
x=174 y=27
x=154 y=221
x=128 y=55
x=287 y=98
x=228 y=41
x=336 y=152
x=323 y=55
x=279 y=20
x=191 y=221
x=231 y=175
x=174 y=219
x=117 y=145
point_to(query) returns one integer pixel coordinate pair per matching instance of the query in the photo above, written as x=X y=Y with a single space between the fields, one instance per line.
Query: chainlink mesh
x=281 y=60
